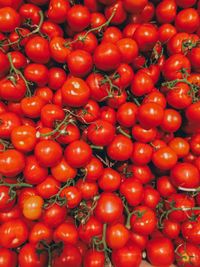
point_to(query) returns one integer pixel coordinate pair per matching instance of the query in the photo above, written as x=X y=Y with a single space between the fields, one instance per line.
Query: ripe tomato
x=75 y=92
x=63 y=171
x=29 y=257
x=92 y=228
x=187 y=20
x=143 y=220
x=72 y=195
x=129 y=255
x=101 y=133
x=117 y=235
x=109 y=208
x=185 y=175
x=69 y=256
x=142 y=84
x=40 y=232
x=32 y=207
x=190 y=231
x=12 y=163
x=78 y=154
x=9 y=19
x=24 y=138
x=126 y=114
x=14 y=233
x=78 y=18
x=120 y=148
x=107 y=56
x=164 y=158
x=132 y=190
x=135 y=7
x=160 y=251
x=9 y=121
x=67 y=233
x=188 y=255
x=79 y=63
x=166 y=11
x=6 y=203
x=57 y=11
x=54 y=215
x=94 y=258
x=8 y=258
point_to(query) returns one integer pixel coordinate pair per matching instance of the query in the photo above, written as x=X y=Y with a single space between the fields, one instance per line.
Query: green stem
x=18 y=72
x=99 y=28
x=123 y=132
x=97 y=147
x=28 y=34
x=16 y=185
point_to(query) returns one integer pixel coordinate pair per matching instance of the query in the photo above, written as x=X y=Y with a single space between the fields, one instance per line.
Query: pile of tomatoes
x=99 y=133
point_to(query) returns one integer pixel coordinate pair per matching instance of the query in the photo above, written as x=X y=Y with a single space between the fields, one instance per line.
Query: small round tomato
x=72 y=195
x=63 y=171
x=187 y=20
x=48 y=153
x=188 y=255
x=67 y=233
x=164 y=158
x=110 y=180
x=24 y=138
x=166 y=11
x=109 y=208
x=117 y=235
x=8 y=258
x=32 y=207
x=9 y=121
x=94 y=258
x=29 y=257
x=57 y=11
x=75 y=92
x=180 y=146
x=132 y=190
x=9 y=19
x=101 y=133
x=78 y=18
x=39 y=232
x=129 y=255
x=54 y=215
x=142 y=84
x=120 y=148
x=107 y=56
x=126 y=114
x=160 y=251
x=185 y=175
x=79 y=63
x=78 y=154
x=12 y=162
x=143 y=220
x=14 y=233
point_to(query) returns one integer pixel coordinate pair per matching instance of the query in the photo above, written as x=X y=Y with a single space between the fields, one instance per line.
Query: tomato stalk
x=99 y=28
x=12 y=192
x=97 y=147
x=18 y=73
x=120 y=130
x=5 y=144
x=194 y=89
x=57 y=199
x=21 y=37
x=188 y=44
x=101 y=244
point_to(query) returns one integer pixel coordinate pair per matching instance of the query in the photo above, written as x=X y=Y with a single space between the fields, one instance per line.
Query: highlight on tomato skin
x=99 y=133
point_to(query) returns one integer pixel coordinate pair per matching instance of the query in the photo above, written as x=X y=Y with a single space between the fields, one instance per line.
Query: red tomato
x=14 y=233
x=78 y=18
x=8 y=258
x=117 y=235
x=9 y=19
x=94 y=258
x=160 y=251
x=187 y=20
x=129 y=255
x=12 y=163
x=109 y=208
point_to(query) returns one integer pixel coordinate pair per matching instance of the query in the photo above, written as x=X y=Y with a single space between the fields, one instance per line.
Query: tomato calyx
x=5 y=144
x=188 y=44
x=184 y=256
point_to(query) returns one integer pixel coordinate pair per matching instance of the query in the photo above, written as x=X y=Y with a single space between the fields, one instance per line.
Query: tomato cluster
x=99 y=133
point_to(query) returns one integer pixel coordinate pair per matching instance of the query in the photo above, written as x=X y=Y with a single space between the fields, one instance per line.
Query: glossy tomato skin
x=70 y=255
x=12 y=162
x=28 y=257
x=191 y=255
x=109 y=208
x=14 y=233
x=129 y=255
x=107 y=56
x=187 y=20
x=9 y=19
x=8 y=258
x=160 y=251
x=94 y=258
x=75 y=92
